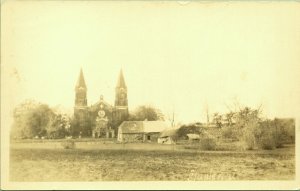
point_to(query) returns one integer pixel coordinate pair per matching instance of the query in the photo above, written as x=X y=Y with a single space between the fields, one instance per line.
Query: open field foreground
x=141 y=165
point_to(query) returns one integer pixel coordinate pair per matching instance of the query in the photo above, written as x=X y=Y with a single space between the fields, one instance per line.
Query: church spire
x=81 y=81
x=121 y=81
x=121 y=91
x=121 y=101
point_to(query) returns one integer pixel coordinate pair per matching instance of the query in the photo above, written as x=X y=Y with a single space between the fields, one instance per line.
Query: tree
x=284 y=131
x=217 y=119
x=229 y=118
x=247 y=116
x=20 y=116
x=31 y=119
x=146 y=113
x=59 y=126
x=188 y=129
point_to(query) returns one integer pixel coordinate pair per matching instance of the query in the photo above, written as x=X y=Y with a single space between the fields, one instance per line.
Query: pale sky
x=175 y=56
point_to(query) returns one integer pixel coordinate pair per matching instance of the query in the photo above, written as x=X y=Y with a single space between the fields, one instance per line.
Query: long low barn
x=140 y=131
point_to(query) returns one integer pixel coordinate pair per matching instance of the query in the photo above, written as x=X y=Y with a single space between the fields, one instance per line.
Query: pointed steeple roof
x=80 y=81
x=121 y=81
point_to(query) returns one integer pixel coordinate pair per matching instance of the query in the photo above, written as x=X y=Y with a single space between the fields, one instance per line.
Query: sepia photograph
x=150 y=95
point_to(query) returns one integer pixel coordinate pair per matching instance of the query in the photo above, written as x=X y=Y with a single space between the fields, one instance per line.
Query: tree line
x=247 y=126
x=33 y=119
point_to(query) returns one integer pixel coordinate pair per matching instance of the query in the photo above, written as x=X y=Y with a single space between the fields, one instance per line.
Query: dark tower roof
x=121 y=81
x=80 y=81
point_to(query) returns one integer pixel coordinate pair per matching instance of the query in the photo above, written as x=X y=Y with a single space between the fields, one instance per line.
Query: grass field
x=138 y=165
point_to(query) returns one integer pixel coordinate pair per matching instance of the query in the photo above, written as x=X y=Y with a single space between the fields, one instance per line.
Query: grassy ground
x=137 y=165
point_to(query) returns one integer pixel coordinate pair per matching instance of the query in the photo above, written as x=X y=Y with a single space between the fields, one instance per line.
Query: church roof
x=121 y=81
x=101 y=101
x=131 y=127
x=81 y=81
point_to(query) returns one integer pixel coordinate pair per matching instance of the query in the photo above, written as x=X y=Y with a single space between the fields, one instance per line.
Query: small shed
x=167 y=136
x=193 y=136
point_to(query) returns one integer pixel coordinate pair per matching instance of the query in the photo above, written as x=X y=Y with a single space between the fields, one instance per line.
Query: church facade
x=101 y=119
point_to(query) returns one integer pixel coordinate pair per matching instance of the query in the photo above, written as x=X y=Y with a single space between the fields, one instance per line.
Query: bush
x=208 y=143
x=263 y=135
x=230 y=146
x=249 y=140
x=249 y=136
x=267 y=142
x=271 y=135
x=188 y=129
x=69 y=144
x=230 y=132
x=284 y=131
x=205 y=143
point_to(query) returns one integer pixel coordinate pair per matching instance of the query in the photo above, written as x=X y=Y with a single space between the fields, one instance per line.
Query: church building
x=101 y=119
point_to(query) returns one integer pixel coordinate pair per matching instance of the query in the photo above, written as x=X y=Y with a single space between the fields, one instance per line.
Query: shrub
x=248 y=139
x=188 y=129
x=205 y=143
x=272 y=136
x=68 y=144
x=230 y=146
x=263 y=135
x=249 y=136
x=208 y=143
x=284 y=131
x=267 y=142
x=230 y=132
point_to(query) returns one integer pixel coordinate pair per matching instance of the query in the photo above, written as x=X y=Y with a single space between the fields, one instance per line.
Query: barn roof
x=193 y=136
x=142 y=126
x=131 y=127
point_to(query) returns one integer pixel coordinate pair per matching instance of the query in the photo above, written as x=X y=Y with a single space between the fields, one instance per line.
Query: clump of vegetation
x=36 y=120
x=267 y=134
x=68 y=144
x=267 y=142
x=230 y=132
x=284 y=130
x=203 y=141
x=146 y=112
x=188 y=129
x=208 y=143
x=256 y=133
x=249 y=139
x=247 y=125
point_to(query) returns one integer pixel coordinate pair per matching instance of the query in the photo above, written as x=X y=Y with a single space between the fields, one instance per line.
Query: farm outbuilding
x=140 y=131
x=193 y=137
x=167 y=136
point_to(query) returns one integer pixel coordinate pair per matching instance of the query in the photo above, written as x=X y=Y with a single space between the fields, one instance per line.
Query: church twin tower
x=100 y=119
